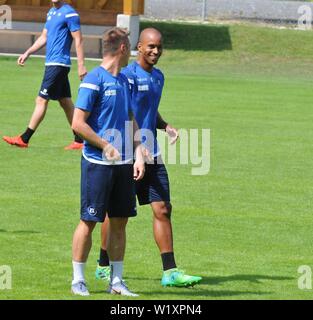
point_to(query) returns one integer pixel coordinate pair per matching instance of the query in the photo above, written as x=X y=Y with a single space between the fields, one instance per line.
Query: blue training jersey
x=146 y=91
x=107 y=99
x=60 y=23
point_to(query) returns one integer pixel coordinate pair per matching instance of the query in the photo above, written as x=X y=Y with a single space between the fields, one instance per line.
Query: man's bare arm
x=82 y=128
x=171 y=131
x=78 y=38
x=161 y=124
x=39 y=43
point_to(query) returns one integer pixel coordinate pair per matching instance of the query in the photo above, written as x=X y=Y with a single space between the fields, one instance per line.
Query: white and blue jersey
x=146 y=91
x=60 y=23
x=107 y=98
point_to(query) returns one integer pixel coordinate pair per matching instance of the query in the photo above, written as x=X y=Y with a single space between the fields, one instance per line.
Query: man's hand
x=139 y=170
x=139 y=165
x=82 y=71
x=111 y=153
x=22 y=59
x=147 y=157
x=172 y=133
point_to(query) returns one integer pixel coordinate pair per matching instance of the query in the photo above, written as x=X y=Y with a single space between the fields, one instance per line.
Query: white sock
x=116 y=271
x=78 y=272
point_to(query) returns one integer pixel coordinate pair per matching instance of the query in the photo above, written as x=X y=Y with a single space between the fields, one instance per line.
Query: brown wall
x=93 y=12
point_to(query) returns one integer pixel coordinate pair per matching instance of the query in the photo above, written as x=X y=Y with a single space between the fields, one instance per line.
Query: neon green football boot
x=177 y=278
x=103 y=273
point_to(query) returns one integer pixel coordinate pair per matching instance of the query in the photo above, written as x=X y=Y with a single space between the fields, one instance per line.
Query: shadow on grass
x=192 y=292
x=20 y=231
x=192 y=37
x=198 y=291
x=241 y=277
x=207 y=293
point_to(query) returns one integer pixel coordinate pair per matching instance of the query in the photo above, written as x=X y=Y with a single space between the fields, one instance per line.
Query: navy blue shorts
x=108 y=189
x=55 y=84
x=154 y=187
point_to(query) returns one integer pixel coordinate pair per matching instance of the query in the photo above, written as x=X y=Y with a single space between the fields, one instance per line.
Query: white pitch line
x=133 y=54
x=41 y=56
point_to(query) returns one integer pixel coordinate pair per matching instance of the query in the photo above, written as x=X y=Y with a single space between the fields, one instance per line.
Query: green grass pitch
x=245 y=227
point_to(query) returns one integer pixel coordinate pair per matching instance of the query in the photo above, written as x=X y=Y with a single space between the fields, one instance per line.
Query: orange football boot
x=15 y=141
x=74 y=146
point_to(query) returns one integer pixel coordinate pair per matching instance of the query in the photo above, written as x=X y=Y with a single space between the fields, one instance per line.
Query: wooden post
x=133 y=7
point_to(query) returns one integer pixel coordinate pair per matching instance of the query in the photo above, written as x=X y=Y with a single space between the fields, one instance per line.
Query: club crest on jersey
x=92 y=211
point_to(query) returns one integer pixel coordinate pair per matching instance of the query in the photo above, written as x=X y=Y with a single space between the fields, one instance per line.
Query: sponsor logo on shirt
x=144 y=87
x=110 y=93
x=44 y=92
x=109 y=84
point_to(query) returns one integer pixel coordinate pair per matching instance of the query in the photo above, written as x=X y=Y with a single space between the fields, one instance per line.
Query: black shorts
x=55 y=84
x=154 y=187
x=107 y=188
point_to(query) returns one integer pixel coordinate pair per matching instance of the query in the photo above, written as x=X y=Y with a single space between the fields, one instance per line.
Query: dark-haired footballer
x=146 y=83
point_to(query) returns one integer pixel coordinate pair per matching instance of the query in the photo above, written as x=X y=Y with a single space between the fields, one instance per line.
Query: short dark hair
x=113 y=38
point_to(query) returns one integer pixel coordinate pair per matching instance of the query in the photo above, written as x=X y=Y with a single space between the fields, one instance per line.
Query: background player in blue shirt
x=146 y=83
x=62 y=26
x=101 y=117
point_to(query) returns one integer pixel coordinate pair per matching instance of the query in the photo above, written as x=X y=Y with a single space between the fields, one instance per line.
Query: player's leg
x=116 y=247
x=22 y=141
x=95 y=189
x=46 y=93
x=54 y=85
x=154 y=189
x=63 y=94
x=36 y=118
x=116 y=251
x=163 y=236
x=122 y=205
x=159 y=196
x=68 y=108
x=103 y=267
x=82 y=242
x=38 y=114
x=162 y=231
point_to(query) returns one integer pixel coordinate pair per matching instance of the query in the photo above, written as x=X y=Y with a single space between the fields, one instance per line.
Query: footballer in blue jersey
x=61 y=22
x=146 y=85
x=146 y=91
x=102 y=117
x=106 y=97
x=61 y=27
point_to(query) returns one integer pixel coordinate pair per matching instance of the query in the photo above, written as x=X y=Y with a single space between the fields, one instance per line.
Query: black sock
x=168 y=261
x=104 y=258
x=27 y=135
x=77 y=138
